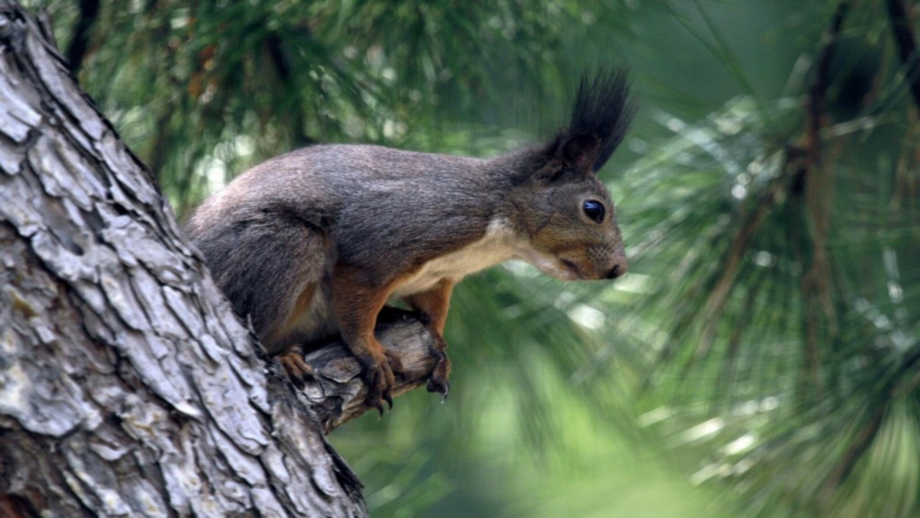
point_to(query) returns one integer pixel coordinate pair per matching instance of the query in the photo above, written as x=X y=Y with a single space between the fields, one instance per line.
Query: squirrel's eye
x=594 y=210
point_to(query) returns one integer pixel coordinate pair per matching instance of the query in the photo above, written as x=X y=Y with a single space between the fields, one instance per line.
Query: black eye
x=594 y=210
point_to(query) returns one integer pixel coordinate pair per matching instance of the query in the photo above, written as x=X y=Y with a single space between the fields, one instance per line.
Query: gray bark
x=127 y=385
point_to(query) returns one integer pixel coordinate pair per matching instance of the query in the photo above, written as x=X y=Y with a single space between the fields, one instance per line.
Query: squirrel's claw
x=440 y=386
x=380 y=380
x=295 y=366
x=438 y=382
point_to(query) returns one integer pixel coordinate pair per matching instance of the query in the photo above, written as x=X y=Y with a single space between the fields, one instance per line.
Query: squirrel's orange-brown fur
x=315 y=242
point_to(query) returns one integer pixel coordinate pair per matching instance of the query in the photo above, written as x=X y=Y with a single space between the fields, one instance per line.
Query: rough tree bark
x=127 y=385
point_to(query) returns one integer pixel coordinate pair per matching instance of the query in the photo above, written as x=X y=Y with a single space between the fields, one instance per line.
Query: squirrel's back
x=319 y=181
x=376 y=208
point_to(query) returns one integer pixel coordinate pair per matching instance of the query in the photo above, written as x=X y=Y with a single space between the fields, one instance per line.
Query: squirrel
x=315 y=242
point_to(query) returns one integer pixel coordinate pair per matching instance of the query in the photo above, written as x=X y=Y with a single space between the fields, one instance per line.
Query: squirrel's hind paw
x=296 y=367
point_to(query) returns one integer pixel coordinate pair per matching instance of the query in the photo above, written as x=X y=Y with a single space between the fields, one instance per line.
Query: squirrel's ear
x=580 y=151
x=567 y=156
x=600 y=117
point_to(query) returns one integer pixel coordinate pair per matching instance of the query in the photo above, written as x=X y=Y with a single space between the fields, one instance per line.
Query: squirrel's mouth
x=551 y=265
x=561 y=269
x=571 y=267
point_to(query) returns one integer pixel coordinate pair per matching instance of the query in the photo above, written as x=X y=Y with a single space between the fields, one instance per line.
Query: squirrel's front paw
x=380 y=377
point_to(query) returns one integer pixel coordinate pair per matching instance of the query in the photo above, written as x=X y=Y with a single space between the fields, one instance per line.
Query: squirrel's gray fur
x=286 y=226
x=262 y=238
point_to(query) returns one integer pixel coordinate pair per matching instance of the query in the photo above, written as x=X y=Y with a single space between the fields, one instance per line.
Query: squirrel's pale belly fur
x=497 y=246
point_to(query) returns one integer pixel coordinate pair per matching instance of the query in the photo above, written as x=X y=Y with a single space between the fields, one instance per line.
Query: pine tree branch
x=907 y=45
x=816 y=284
x=76 y=50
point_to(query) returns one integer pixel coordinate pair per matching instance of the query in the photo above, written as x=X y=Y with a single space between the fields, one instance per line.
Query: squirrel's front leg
x=356 y=304
x=433 y=305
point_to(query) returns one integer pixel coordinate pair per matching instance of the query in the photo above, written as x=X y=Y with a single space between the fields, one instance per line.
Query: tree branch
x=907 y=45
x=818 y=183
x=276 y=52
x=337 y=395
x=89 y=10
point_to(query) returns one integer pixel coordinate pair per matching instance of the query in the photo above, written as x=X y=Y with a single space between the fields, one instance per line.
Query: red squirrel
x=313 y=243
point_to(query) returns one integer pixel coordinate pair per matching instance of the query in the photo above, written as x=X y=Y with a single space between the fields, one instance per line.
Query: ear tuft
x=601 y=115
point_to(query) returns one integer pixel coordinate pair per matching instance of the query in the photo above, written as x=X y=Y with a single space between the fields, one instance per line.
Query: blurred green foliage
x=761 y=358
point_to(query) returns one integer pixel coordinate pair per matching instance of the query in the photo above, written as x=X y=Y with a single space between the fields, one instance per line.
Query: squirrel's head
x=565 y=212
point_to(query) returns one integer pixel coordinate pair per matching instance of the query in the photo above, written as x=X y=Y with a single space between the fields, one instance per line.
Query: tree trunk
x=127 y=385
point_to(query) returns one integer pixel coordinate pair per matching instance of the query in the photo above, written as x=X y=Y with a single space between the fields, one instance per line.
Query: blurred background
x=761 y=358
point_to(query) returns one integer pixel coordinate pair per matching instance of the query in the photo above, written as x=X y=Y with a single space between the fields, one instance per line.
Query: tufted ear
x=600 y=117
x=567 y=157
x=580 y=151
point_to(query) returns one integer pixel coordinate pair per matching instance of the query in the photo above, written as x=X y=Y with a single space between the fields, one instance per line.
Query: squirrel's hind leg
x=298 y=317
x=433 y=306
x=272 y=268
x=302 y=316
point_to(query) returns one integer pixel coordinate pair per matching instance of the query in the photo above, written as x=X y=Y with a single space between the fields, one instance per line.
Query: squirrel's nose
x=618 y=270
